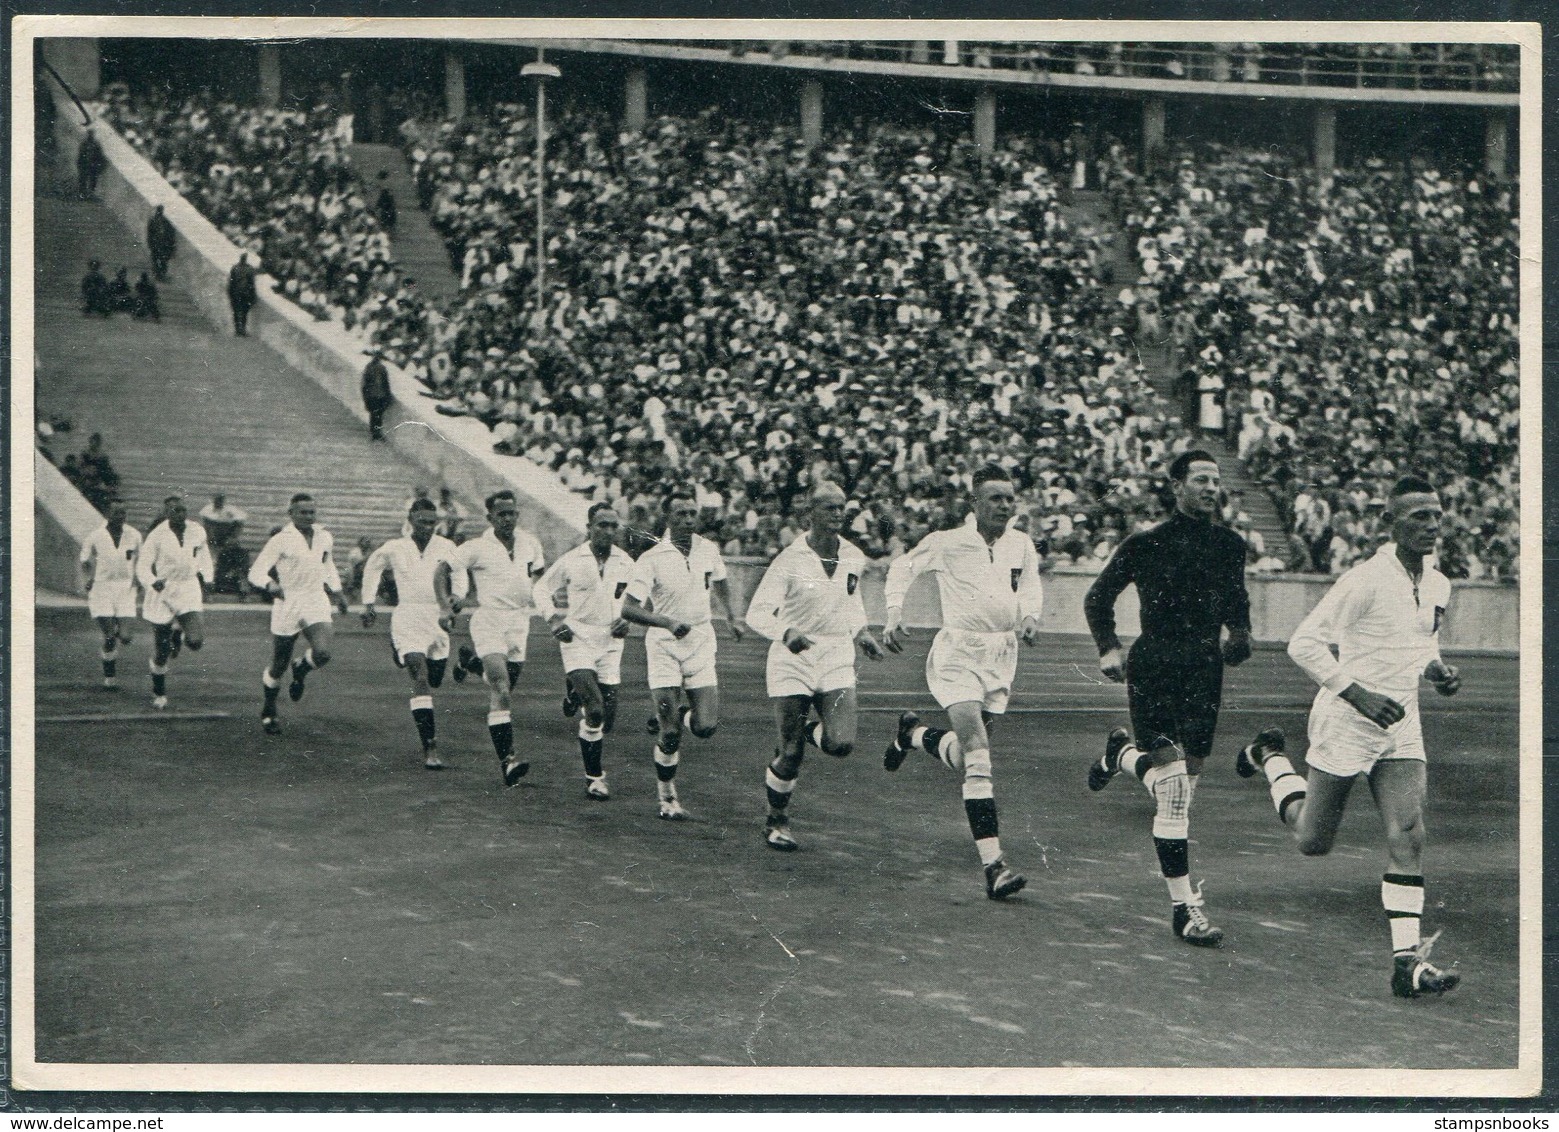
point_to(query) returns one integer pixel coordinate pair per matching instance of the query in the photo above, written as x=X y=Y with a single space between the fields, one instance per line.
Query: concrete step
x=183 y=406
x=417 y=248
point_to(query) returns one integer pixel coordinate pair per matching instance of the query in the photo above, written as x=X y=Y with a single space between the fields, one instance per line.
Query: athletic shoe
x=269 y=725
x=570 y=704
x=1001 y=882
x=430 y=759
x=514 y=769
x=777 y=835
x=1414 y=976
x=110 y=684
x=671 y=809
x=1100 y=773
x=596 y=788
x=159 y=702
x=899 y=749
x=1250 y=758
x=295 y=689
x=1191 y=924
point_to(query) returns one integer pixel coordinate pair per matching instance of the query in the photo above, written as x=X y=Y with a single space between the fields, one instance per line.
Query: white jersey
x=985 y=587
x=165 y=557
x=797 y=593
x=113 y=563
x=305 y=567
x=504 y=579
x=1386 y=629
x=414 y=570
x=591 y=593
x=678 y=586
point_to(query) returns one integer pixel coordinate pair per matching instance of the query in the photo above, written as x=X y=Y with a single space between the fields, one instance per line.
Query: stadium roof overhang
x=1100 y=84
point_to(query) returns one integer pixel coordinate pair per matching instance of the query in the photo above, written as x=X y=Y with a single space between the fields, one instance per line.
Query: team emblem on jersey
x=708 y=577
x=129 y=554
x=324 y=556
x=850 y=582
x=1439 y=615
x=622 y=588
x=1017 y=576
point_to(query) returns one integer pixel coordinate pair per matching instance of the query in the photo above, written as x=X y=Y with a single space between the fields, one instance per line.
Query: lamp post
x=541 y=71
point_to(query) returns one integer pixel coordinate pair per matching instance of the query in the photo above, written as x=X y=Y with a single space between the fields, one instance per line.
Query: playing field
x=206 y=893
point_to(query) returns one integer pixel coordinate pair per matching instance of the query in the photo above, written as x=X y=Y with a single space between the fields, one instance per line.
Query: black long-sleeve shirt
x=1190 y=578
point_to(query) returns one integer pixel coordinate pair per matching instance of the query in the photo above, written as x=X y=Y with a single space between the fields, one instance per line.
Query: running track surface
x=206 y=893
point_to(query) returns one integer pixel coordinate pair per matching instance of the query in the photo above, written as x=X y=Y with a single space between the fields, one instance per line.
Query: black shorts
x=1174 y=693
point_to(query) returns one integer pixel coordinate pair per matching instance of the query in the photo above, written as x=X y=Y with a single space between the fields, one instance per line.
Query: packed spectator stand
x=739 y=311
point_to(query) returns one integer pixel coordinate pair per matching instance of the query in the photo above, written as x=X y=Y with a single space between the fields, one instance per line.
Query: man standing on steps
x=241 y=294
x=377 y=397
x=1190 y=578
x=174 y=568
x=424 y=613
x=108 y=563
x=90 y=163
x=1383 y=617
x=161 y=241
x=988 y=579
x=306 y=582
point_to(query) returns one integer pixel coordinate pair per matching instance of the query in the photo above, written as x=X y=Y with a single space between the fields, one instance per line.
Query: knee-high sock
x=422 y=714
x=1402 y=895
x=943 y=744
x=110 y=656
x=304 y=664
x=500 y=726
x=1285 y=786
x=980 y=805
x=591 y=740
x=777 y=786
x=270 y=687
x=1135 y=761
x=159 y=677
x=1172 y=827
x=666 y=762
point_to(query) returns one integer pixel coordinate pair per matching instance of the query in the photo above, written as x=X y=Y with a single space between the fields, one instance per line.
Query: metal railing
x=1386 y=66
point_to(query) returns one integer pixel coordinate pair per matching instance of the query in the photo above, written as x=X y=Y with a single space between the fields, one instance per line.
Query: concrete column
x=1496 y=144
x=950 y=52
x=812 y=111
x=270 y=75
x=1152 y=132
x=454 y=86
x=920 y=51
x=1325 y=139
x=985 y=119
x=79 y=62
x=636 y=100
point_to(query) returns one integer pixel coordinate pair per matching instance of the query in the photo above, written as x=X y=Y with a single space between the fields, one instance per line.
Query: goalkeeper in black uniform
x=1190 y=578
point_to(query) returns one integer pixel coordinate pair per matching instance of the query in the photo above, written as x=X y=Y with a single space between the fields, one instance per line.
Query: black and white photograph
x=762 y=557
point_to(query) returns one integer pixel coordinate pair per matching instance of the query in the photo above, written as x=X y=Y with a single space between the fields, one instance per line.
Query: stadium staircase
x=418 y=249
x=1121 y=268
x=185 y=406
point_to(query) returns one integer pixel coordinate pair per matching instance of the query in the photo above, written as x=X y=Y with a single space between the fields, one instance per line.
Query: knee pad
x=1172 y=792
x=977 y=776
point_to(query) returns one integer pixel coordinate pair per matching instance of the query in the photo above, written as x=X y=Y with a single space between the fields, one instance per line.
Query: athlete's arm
x=926 y=558
x=636 y=612
x=553 y=583
x=1031 y=595
x=721 y=589
x=88 y=562
x=203 y=569
x=373 y=574
x=1236 y=650
x=260 y=569
x=1311 y=649
x=146 y=564
x=763 y=609
x=1099 y=608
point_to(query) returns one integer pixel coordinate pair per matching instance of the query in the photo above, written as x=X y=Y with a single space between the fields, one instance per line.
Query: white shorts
x=415 y=628
x=501 y=631
x=688 y=663
x=291 y=615
x=828 y=666
x=595 y=648
x=964 y=666
x=1344 y=743
x=176 y=599
x=111 y=599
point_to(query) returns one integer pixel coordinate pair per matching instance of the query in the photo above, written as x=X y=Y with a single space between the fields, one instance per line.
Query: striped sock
x=1285 y=786
x=1402 y=895
x=591 y=742
x=778 y=787
x=943 y=744
x=271 y=688
x=422 y=715
x=500 y=726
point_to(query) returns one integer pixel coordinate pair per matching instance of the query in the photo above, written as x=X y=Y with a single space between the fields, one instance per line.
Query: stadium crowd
x=731 y=308
x=1362 y=325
